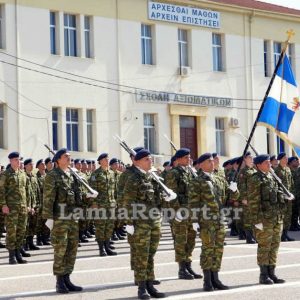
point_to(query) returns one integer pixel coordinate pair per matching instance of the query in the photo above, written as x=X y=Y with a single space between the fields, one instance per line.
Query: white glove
x=92 y=195
x=171 y=197
x=196 y=226
x=178 y=216
x=49 y=223
x=233 y=186
x=289 y=198
x=259 y=226
x=129 y=229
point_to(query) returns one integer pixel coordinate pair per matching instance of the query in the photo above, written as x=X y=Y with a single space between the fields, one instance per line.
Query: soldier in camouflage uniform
x=140 y=191
x=167 y=167
x=284 y=173
x=267 y=205
x=102 y=180
x=14 y=207
x=178 y=180
x=49 y=164
x=2 y=218
x=274 y=162
x=61 y=197
x=244 y=176
x=205 y=204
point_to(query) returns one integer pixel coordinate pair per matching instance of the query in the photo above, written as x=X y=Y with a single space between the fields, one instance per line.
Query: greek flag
x=281 y=109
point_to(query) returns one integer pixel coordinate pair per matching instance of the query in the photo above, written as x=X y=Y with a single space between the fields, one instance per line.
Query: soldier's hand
x=129 y=229
x=289 y=198
x=92 y=195
x=171 y=197
x=244 y=202
x=259 y=226
x=233 y=186
x=178 y=216
x=49 y=223
x=5 y=209
x=196 y=227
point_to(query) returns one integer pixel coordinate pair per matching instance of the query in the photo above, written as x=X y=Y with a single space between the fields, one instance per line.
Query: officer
x=14 y=207
x=102 y=180
x=60 y=200
x=140 y=191
x=205 y=206
x=284 y=173
x=184 y=236
x=267 y=205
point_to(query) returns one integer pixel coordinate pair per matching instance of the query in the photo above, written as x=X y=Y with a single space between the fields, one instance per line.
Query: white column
x=82 y=130
x=80 y=36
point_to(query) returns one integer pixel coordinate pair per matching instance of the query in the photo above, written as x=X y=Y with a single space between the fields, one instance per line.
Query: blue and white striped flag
x=281 y=110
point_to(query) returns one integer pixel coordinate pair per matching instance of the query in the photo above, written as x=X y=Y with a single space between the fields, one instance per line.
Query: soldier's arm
x=2 y=190
x=242 y=186
x=49 y=196
x=93 y=182
x=171 y=182
x=130 y=196
x=194 y=197
x=255 y=199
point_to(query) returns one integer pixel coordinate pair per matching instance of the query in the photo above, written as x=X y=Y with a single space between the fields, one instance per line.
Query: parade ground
x=111 y=277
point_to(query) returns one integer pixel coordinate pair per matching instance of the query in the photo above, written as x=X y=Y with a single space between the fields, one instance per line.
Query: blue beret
x=113 y=161
x=166 y=163
x=54 y=159
x=88 y=162
x=272 y=157
x=173 y=158
x=261 y=158
x=281 y=155
x=141 y=154
x=27 y=161
x=215 y=154
x=13 y=155
x=59 y=153
x=292 y=158
x=136 y=150
x=101 y=156
x=47 y=160
x=83 y=161
x=93 y=162
x=39 y=162
x=204 y=157
x=182 y=152
x=77 y=160
x=239 y=160
x=195 y=162
x=248 y=153
x=226 y=163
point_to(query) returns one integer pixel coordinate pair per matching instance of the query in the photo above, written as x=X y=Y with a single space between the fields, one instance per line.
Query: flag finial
x=290 y=33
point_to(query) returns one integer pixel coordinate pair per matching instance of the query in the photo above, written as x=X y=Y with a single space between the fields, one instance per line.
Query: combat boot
x=24 y=253
x=153 y=292
x=264 y=276
x=207 y=284
x=273 y=276
x=183 y=273
x=289 y=239
x=108 y=250
x=19 y=258
x=101 y=249
x=120 y=237
x=111 y=247
x=188 y=266
x=88 y=234
x=249 y=237
x=30 y=243
x=39 y=240
x=1 y=245
x=70 y=286
x=283 y=236
x=45 y=240
x=60 y=285
x=156 y=282
x=216 y=282
x=114 y=236
x=82 y=237
x=142 y=292
x=12 y=257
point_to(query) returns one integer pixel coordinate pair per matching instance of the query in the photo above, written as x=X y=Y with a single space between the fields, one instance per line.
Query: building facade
x=75 y=73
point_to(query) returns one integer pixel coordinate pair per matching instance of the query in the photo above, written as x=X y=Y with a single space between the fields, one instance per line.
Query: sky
x=287 y=3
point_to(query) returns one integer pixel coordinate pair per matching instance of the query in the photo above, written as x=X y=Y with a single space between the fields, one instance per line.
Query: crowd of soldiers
x=31 y=202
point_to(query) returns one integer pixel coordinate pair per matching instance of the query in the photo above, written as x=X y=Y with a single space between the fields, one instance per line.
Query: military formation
x=63 y=202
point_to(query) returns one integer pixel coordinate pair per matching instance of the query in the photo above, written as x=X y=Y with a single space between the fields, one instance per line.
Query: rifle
x=175 y=149
x=74 y=173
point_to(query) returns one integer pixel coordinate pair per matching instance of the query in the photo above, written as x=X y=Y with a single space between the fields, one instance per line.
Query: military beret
x=7 y=167
x=59 y=153
x=173 y=158
x=136 y=150
x=27 y=161
x=226 y=163
x=261 y=158
x=141 y=154
x=47 y=160
x=292 y=158
x=273 y=157
x=77 y=160
x=231 y=161
x=182 y=152
x=239 y=160
x=204 y=157
x=113 y=161
x=88 y=162
x=39 y=162
x=214 y=155
x=83 y=161
x=93 y=162
x=166 y=163
x=72 y=160
x=281 y=155
x=195 y=162
x=101 y=156
x=248 y=153
x=21 y=158
x=54 y=159
x=13 y=155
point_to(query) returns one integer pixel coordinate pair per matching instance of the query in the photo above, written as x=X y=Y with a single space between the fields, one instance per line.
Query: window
x=87 y=36
x=53 y=48
x=147 y=56
x=277 y=52
x=220 y=136
x=217 y=52
x=149 y=133
x=72 y=129
x=55 y=128
x=70 y=35
x=89 y=127
x=1 y=126
x=280 y=145
x=183 y=48
x=267 y=69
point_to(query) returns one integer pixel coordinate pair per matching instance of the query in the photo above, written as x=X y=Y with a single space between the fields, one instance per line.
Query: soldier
x=49 y=164
x=61 y=198
x=140 y=191
x=244 y=176
x=184 y=235
x=167 y=167
x=284 y=173
x=267 y=207
x=102 y=180
x=93 y=167
x=205 y=205
x=14 y=207
x=274 y=162
x=84 y=166
x=227 y=167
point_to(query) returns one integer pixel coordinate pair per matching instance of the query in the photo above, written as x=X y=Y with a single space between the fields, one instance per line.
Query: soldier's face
x=145 y=163
x=284 y=161
x=184 y=161
x=249 y=161
x=216 y=161
x=104 y=162
x=65 y=160
x=29 y=167
x=42 y=166
x=207 y=165
x=274 y=163
x=78 y=166
x=15 y=162
x=265 y=166
x=295 y=163
x=114 y=166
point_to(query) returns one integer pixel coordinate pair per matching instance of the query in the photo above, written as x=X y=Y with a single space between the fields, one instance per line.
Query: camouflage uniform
x=13 y=194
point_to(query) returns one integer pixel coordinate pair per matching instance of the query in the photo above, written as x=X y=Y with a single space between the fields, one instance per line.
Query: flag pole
x=290 y=33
